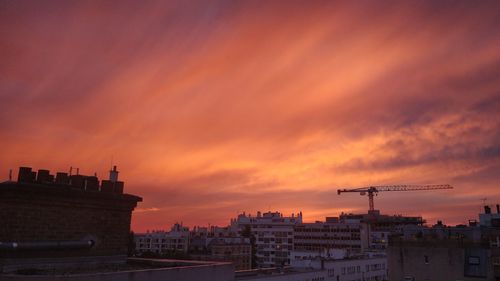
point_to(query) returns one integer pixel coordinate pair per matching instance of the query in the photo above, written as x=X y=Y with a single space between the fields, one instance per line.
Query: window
x=474 y=260
x=331 y=272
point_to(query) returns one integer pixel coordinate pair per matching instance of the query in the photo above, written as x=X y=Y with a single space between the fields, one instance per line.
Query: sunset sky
x=211 y=108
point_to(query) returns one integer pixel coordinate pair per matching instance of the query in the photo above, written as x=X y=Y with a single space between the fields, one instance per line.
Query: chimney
x=113 y=175
x=118 y=188
x=487 y=209
x=92 y=184
x=498 y=209
x=77 y=181
x=43 y=176
x=62 y=178
x=25 y=175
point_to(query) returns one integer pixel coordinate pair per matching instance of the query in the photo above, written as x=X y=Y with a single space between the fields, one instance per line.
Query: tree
x=247 y=233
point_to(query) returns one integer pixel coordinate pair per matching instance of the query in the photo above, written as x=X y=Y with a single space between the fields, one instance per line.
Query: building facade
x=341 y=266
x=162 y=242
x=448 y=253
x=423 y=260
x=63 y=219
x=380 y=227
x=273 y=235
x=319 y=236
x=236 y=250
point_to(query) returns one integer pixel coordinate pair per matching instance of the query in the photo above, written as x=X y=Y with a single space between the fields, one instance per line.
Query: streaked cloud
x=213 y=108
x=145 y=210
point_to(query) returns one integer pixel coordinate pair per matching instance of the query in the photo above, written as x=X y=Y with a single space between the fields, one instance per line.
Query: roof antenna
x=484 y=204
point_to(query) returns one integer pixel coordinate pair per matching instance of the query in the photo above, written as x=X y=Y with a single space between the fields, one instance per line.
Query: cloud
x=210 y=109
x=144 y=210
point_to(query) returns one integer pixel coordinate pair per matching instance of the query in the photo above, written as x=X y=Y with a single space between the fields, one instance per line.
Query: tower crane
x=373 y=190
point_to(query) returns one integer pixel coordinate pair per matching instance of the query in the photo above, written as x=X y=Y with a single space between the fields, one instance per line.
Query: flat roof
x=132 y=265
x=270 y=272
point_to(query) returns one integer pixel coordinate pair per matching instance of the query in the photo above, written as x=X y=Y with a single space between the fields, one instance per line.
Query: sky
x=212 y=108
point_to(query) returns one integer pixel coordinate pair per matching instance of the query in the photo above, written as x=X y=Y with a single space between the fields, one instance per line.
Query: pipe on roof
x=47 y=245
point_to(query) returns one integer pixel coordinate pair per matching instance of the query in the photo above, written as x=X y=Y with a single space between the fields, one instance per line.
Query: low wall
x=174 y=270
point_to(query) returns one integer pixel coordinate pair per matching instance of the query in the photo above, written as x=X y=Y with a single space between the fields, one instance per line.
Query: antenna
x=484 y=204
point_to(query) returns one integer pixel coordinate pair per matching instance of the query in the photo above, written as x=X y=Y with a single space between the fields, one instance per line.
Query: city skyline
x=210 y=109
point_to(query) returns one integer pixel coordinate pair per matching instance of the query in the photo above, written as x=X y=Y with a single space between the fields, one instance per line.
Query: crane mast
x=373 y=190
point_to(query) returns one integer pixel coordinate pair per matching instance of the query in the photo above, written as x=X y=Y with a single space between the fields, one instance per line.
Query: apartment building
x=379 y=227
x=273 y=234
x=175 y=240
x=463 y=252
x=342 y=266
x=331 y=234
x=236 y=250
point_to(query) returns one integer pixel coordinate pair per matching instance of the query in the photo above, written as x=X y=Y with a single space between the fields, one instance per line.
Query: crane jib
x=401 y=187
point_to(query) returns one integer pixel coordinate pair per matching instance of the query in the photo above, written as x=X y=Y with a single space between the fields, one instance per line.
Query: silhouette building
x=71 y=227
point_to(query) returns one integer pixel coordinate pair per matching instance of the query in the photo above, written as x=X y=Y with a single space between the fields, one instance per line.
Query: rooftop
x=134 y=269
x=269 y=272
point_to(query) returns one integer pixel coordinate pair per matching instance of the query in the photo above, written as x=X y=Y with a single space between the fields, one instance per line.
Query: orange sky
x=209 y=109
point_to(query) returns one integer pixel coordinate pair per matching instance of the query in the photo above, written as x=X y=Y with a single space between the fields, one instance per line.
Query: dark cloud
x=469 y=153
x=489 y=105
x=489 y=174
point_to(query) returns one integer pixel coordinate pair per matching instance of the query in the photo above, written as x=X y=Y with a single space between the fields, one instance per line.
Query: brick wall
x=41 y=213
